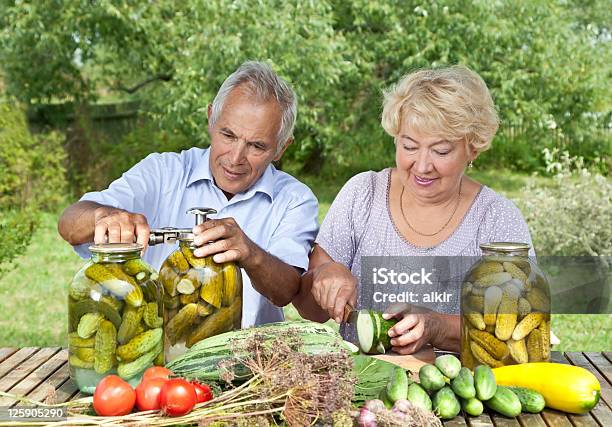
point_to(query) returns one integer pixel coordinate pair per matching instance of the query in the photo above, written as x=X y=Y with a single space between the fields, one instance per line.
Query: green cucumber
x=350 y=347
x=397 y=387
x=505 y=402
x=472 y=406
x=463 y=384
x=531 y=400
x=431 y=378
x=445 y=404
x=367 y=333
x=419 y=397
x=383 y=332
x=449 y=365
x=484 y=382
x=385 y=399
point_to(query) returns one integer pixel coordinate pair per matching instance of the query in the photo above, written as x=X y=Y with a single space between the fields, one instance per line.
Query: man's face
x=243 y=141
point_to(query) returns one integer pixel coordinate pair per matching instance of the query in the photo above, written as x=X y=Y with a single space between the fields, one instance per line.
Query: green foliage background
x=546 y=62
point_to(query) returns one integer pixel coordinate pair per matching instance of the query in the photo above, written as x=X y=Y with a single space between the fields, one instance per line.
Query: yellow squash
x=564 y=387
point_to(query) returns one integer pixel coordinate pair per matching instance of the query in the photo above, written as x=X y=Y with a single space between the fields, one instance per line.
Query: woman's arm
x=416 y=329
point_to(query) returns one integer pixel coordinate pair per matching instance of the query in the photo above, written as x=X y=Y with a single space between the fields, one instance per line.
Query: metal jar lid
x=505 y=247
x=115 y=248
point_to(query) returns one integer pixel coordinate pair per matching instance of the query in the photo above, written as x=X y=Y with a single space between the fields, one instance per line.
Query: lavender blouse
x=359 y=224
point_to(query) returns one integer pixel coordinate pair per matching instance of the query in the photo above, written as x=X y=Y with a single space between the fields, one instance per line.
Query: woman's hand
x=333 y=286
x=417 y=327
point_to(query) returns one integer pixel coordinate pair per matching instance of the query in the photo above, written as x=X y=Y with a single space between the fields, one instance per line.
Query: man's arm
x=325 y=288
x=86 y=221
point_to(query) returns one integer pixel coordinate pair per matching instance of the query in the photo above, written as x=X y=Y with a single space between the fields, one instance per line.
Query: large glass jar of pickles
x=115 y=317
x=201 y=298
x=505 y=308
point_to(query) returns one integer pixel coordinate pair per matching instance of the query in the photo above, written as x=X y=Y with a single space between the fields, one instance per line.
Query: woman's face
x=430 y=167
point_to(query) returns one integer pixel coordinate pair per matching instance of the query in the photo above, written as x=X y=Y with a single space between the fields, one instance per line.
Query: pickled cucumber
x=88 y=324
x=82 y=287
x=212 y=290
x=232 y=281
x=78 y=309
x=74 y=340
x=177 y=261
x=189 y=299
x=221 y=321
x=78 y=363
x=129 y=324
x=135 y=266
x=192 y=259
x=121 y=288
x=181 y=322
x=105 y=345
x=151 y=315
x=86 y=354
x=169 y=279
x=135 y=367
x=139 y=345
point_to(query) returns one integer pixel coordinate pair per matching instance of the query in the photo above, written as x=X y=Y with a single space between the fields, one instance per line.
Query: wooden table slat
x=602 y=364
x=52 y=385
x=559 y=357
x=501 y=421
x=555 y=418
x=67 y=391
x=6 y=352
x=36 y=378
x=458 y=421
x=585 y=420
x=608 y=355
x=531 y=420
x=16 y=359
x=27 y=367
x=483 y=420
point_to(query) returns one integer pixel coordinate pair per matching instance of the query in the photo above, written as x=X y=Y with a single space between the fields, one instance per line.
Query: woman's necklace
x=441 y=228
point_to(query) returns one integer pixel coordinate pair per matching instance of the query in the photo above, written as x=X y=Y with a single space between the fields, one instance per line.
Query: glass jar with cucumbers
x=505 y=309
x=201 y=297
x=115 y=316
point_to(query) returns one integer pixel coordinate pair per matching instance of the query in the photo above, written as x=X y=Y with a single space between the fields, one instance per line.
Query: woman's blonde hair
x=453 y=103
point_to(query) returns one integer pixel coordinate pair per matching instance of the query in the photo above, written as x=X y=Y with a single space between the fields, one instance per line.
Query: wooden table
x=37 y=372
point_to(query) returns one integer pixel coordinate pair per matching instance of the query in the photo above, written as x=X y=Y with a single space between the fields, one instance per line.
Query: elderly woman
x=440 y=121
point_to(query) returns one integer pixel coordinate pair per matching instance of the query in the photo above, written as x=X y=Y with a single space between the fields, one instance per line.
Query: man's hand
x=333 y=286
x=224 y=239
x=119 y=226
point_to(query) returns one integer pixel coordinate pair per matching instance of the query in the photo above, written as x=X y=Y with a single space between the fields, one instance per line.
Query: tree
x=545 y=62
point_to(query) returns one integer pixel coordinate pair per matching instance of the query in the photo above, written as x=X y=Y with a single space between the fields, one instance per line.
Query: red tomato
x=148 y=393
x=203 y=392
x=178 y=397
x=113 y=396
x=156 y=372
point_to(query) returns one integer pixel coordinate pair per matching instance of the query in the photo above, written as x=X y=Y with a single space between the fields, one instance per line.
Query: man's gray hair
x=265 y=85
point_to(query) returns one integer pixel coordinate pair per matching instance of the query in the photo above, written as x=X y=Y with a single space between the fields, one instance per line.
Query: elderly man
x=266 y=221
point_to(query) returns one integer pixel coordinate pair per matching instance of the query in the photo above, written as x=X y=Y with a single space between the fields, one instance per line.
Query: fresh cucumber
x=419 y=397
x=397 y=387
x=531 y=400
x=473 y=406
x=383 y=333
x=505 y=402
x=351 y=348
x=484 y=382
x=431 y=378
x=463 y=384
x=385 y=399
x=449 y=365
x=445 y=404
x=367 y=333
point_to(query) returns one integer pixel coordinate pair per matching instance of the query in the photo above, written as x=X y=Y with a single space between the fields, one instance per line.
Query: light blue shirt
x=278 y=213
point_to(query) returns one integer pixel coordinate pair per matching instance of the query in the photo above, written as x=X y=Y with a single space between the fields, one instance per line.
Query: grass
x=34 y=306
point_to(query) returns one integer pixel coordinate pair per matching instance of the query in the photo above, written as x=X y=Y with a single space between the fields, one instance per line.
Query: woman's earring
x=471 y=164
